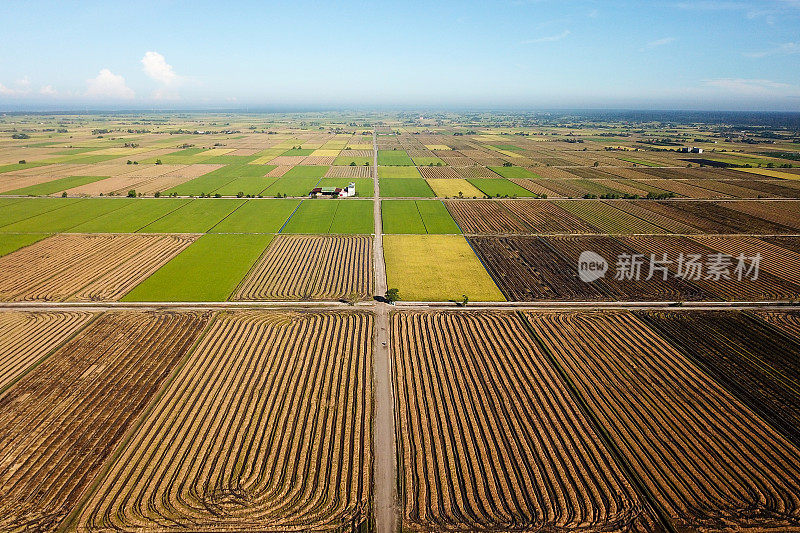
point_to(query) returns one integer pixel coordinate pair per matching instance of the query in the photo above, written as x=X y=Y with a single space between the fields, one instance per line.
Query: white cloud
x=108 y=85
x=753 y=87
x=548 y=39
x=157 y=68
x=661 y=42
x=21 y=87
x=782 y=49
x=48 y=90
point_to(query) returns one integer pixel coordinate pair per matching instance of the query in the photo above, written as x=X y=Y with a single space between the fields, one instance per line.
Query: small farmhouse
x=334 y=192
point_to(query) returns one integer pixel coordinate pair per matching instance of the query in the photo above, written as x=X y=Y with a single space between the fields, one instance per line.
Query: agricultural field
x=416 y=216
x=592 y=329
x=407 y=187
x=331 y=216
x=307 y=267
x=437 y=267
x=207 y=271
x=280 y=403
x=511 y=450
x=64 y=418
x=649 y=397
x=394 y=158
x=85 y=267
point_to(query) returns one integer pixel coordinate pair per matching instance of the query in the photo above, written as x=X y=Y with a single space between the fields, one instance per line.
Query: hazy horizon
x=518 y=54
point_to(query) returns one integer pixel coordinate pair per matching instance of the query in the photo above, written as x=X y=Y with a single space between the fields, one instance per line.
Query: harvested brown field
x=318 y=160
x=767 y=188
x=720 y=219
x=311 y=267
x=745 y=355
x=783 y=213
x=349 y=172
x=608 y=219
x=484 y=216
x=785 y=241
x=26 y=337
x=279 y=171
x=474 y=172
x=626 y=287
x=490 y=438
x=766 y=287
x=439 y=173
x=774 y=259
x=636 y=209
x=62 y=421
x=553 y=173
x=287 y=160
x=787 y=322
x=528 y=269
x=727 y=188
x=547 y=217
x=708 y=460
x=623 y=187
x=98 y=267
x=683 y=188
x=563 y=188
x=536 y=187
x=266 y=428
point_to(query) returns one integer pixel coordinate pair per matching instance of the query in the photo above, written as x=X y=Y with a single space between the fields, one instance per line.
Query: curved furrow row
x=90 y=267
x=267 y=427
x=115 y=283
x=765 y=287
x=490 y=438
x=311 y=267
x=59 y=423
x=25 y=337
x=708 y=460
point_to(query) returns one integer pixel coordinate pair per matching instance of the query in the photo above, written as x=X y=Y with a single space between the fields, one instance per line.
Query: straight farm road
x=385 y=469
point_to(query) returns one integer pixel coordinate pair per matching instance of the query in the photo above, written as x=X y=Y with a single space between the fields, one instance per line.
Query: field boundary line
x=47 y=355
x=67 y=524
x=226 y=216
x=166 y=214
x=647 y=495
x=159 y=218
x=734 y=389
x=255 y=263
x=43 y=212
x=280 y=231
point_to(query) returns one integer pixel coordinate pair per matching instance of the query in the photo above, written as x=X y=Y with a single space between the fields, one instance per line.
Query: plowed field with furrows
x=546 y=217
x=490 y=438
x=709 y=461
x=26 y=337
x=631 y=285
x=85 y=267
x=60 y=422
x=304 y=267
x=765 y=287
x=527 y=269
x=266 y=428
x=484 y=216
x=745 y=355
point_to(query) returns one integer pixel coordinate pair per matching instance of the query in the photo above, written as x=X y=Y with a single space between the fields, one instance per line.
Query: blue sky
x=705 y=54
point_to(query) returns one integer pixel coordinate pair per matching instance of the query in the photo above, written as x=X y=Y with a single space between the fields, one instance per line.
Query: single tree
x=131 y=193
x=392 y=295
